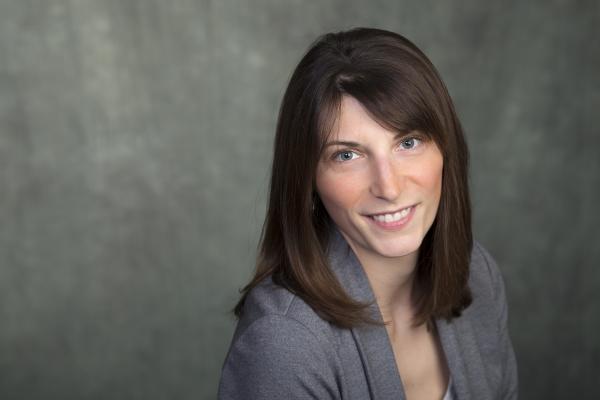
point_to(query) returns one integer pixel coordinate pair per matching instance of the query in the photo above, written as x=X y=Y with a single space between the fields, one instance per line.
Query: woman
x=368 y=282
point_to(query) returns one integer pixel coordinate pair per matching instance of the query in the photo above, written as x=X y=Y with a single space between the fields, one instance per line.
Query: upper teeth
x=392 y=217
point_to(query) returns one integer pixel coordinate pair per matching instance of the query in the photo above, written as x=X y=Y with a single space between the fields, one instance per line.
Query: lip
x=390 y=212
x=395 y=225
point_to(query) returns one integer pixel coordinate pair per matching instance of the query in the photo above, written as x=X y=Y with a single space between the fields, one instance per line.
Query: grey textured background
x=135 y=140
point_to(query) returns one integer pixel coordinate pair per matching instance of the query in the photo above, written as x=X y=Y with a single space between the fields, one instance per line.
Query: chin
x=396 y=250
x=392 y=247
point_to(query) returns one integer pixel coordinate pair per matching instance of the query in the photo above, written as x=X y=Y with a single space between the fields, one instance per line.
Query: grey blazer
x=282 y=349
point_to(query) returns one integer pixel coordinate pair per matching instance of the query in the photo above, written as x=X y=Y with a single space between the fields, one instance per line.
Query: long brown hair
x=402 y=90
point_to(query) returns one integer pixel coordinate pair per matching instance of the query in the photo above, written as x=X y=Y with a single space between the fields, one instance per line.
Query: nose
x=387 y=180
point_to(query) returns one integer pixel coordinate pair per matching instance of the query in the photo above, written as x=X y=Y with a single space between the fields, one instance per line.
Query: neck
x=392 y=282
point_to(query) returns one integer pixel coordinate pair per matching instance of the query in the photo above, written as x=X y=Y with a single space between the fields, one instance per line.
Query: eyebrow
x=341 y=143
x=356 y=144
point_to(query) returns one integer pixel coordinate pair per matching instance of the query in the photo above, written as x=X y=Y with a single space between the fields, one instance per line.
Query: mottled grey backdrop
x=135 y=140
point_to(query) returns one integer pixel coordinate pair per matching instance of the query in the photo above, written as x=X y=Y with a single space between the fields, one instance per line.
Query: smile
x=398 y=215
x=393 y=220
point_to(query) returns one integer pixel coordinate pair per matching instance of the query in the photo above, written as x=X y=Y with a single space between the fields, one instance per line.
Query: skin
x=381 y=172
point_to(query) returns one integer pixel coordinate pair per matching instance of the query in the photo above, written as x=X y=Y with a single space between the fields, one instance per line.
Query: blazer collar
x=373 y=343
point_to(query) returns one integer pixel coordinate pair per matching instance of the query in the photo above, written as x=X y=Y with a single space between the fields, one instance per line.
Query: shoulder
x=280 y=348
x=271 y=302
x=485 y=278
x=490 y=311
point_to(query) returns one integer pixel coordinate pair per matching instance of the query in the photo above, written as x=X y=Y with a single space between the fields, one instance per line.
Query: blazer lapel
x=372 y=341
x=464 y=360
x=457 y=337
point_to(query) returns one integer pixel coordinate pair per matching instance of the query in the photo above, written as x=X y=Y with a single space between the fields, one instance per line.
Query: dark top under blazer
x=282 y=349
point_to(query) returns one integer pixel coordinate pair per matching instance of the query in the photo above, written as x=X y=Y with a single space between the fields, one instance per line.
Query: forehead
x=354 y=121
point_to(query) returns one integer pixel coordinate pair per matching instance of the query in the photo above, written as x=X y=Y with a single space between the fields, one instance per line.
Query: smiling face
x=382 y=190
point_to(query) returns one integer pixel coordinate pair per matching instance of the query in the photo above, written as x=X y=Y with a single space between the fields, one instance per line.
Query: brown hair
x=402 y=90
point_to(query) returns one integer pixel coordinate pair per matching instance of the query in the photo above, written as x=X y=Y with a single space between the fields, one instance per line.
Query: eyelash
x=403 y=140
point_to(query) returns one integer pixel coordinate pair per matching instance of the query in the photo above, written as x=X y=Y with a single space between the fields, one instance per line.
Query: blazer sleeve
x=509 y=386
x=277 y=357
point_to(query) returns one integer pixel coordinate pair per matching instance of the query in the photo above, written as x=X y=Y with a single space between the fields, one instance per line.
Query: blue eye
x=410 y=143
x=344 y=156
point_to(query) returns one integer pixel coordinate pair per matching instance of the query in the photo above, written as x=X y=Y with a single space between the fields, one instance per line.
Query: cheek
x=430 y=177
x=434 y=182
x=337 y=192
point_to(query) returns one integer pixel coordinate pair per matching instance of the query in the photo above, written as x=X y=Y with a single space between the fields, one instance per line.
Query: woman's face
x=382 y=191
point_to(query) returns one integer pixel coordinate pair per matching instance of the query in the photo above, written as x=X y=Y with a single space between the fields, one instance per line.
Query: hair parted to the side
x=401 y=89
